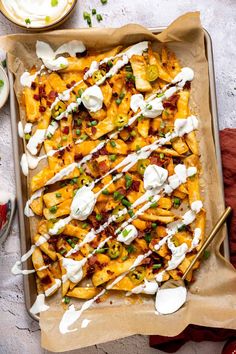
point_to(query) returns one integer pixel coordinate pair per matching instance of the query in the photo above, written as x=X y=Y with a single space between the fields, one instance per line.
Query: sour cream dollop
x=154 y=176
x=186 y=74
x=74 y=271
x=83 y=203
x=151 y=109
x=92 y=98
x=148 y=287
x=128 y=234
x=170 y=300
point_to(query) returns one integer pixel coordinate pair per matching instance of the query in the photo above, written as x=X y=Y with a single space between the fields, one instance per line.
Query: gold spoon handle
x=206 y=243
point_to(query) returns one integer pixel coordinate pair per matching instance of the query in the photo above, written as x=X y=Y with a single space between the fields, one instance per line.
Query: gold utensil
x=175 y=283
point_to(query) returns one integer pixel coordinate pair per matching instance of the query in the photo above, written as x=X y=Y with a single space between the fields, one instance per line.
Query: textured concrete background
x=20 y=334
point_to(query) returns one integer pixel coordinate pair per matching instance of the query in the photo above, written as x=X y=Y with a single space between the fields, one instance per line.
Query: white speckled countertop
x=18 y=332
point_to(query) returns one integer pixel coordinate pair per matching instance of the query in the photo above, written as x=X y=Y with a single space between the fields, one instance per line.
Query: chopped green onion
x=124 y=258
x=156 y=266
x=117 y=195
x=84 y=225
x=176 y=201
x=122 y=95
x=131 y=249
x=54 y=3
x=93 y=123
x=112 y=143
x=80 y=92
x=118 y=101
x=154 y=225
x=58 y=195
x=105 y=192
x=53 y=209
x=78 y=131
x=86 y=15
x=104 y=2
x=112 y=158
x=206 y=254
x=64 y=138
x=94 y=11
x=79 y=121
x=74 y=180
x=133 y=133
x=101 y=250
x=84 y=137
x=149 y=107
x=128 y=181
x=98 y=217
x=125 y=232
x=1 y=83
x=131 y=213
x=62 y=251
x=130 y=76
x=27 y=21
x=148 y=237
x=125 y=202
x=160 y=94
x=182 y=228
x=66 y=300
x=27 y=136
x=153 y=205
x=162 y=156
x=47 y=19
x=99 y=18
x=110 y=64
x=81 y=170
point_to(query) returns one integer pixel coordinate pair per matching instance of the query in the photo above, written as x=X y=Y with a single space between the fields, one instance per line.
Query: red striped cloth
x=197 y=333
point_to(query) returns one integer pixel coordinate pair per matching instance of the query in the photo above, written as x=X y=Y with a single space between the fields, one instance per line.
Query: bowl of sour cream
x=4 y=86
x=37 y=14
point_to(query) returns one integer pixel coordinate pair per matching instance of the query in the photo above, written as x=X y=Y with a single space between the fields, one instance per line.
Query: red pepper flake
x=36 y=97
x=33 y=85
x=93 y=130
x=42 y=109
x=65 y=130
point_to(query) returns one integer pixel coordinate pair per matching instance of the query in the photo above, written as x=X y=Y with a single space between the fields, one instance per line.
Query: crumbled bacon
x=187 y=85
x=46 y=280
x=42 y=109
x=68 y=86
x=92 y=260
x=36 y=97
x=93 y=130
x=135 y=186
x=73 y=82
x=103 y=167
x=155 y=160
x=33 y=85
x=141 y=234
x=78 y=157
x=66 y=130
x=171 y=102
x=146 y=261
x=103 y=151
x=52 y=95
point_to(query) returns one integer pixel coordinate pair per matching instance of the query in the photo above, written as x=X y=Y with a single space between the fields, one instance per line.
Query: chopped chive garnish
x=125 y=232
x=112 y=158
x=117 y=195
x=105 y=192
x=162 y=156
x=176 y=201
x=84 y=136
x=112 y=143
x=154 y=225
x=64 y=138
x=149 y=107
x=62 y=251
x=86 y=15
x=84 y=225
x=98 y=217
x=156 y=266
x=58 y=195
x=101 y=250
x=94 y=11
x=1 y=83
x=27 y=136
x=133 y=133
x=79 y=121
x=153 y=205
x=182 y=228
x=148 y=237
x=128 y=181
x=47 y=19
x=125 y=202
x=27 y=21
x=54 y=3
x=66 y=300
x=78 y=131
x=160 y=94
x=74 y=180
x=206 y=254
x=118 y=101
x=131 y=213
x=99 y=17
x=109 y=63
x=80 y=92
x=104 y=2
x=131 y=249
x=93 y=123
x=53 y=209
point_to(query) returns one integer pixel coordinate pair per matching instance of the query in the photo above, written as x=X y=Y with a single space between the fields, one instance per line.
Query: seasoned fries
x=118 y=196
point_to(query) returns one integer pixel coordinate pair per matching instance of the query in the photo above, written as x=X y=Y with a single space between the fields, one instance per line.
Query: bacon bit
x=98 y=300
x=146 y=261
x=110 y=272
x=129 y=84
x=122 y=191
x=46 y=280
x=103 y=167
x=33 y=85
x=135 y=186
x=68 y=86
x=103 y=151
x=93 y=130
x=42 y=90
x=86 y=69
x=83 y=54
x=141 y=234
x=92 y=260
x=73 y=82
x=69 y=147
x=36 y=97
x=66 y=130
x=187 y=85
x=111 y=230
x=179 y=273
x=78 y=157
x=171 y=102
x=52 y=95
x=52 y=240
x=49 y=103
x=115 y=94
x=42 y=109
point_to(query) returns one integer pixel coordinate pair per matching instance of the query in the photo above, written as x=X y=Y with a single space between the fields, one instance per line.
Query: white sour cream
x=186 y=74
x=149 y=109
x=24 y=165
x=196 y=206
x=35 y=141
x=191 y=171
x=39 y=12
x=148 y=287
x=59 y=225
x=39 y=305
x=170 y=300
x=53 y=288
x=20 y=130
x=135 y=101
x=71 y=48
x=74 y=271
x=92 y=98
x=185 y=126
x=83 y=203
x=154 y=176
x=128 y=234
x=196 y=238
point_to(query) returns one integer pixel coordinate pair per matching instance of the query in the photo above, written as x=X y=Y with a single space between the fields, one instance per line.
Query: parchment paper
x=211 y=298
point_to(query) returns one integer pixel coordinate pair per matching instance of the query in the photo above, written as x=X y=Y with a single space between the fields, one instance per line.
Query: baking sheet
x=127 y=320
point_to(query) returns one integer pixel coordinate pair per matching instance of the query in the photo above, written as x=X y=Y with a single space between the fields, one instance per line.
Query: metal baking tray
x=21 y=184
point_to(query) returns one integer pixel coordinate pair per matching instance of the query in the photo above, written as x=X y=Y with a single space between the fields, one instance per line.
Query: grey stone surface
x=20 y=334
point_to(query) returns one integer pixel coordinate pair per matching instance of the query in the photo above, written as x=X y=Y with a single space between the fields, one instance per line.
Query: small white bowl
x=4 y=90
